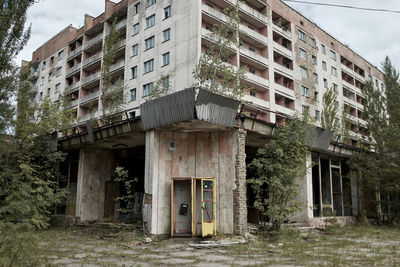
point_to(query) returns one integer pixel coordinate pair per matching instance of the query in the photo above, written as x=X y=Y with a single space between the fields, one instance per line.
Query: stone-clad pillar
x=239 y=194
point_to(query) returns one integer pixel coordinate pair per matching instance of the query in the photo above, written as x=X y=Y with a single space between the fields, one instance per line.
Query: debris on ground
x=216 y=244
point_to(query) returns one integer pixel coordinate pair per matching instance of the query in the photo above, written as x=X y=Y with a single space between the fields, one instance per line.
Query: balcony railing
x=282 y=30
x=94 y=41
x=75 y=51
x=91 y=78
x=254 y=56
x=257 y=79
x=88 y=97
x=72 y=87
x=73 y=69
x=92 y=59
x=73 y=103
x=121 y=24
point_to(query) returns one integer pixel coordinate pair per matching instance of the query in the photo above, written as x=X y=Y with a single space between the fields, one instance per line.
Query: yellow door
x=208 y=207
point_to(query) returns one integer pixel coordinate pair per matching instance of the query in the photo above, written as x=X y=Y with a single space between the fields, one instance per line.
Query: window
x=135 y=50
x=51 y=60
x=314 y=60
x=150 y=2
x=41 y=96
x=325 y=83
x=305 y=110
x=165 y=59
x=149 y=66
x=165 y=83
x=251 y=70
x=303 y=72
x=335 y=87
x=324 y=65
x=41 y=80
x=303 y=53
x=50 y=75
x=304 y=91
x=36 y=69
x=150 y=21
x=136 y=8
x=370 y=77
x=302 y=36
x=133 y=94
x=149 y=43
x=135 y=29
x=377 y=83
x=333 y=55
x=334 y=71
x=58 y=85
x=60 y=54
x=132 y=114
x=43 y=65
x=317 y=115
x=147 y=89
x=323 y=49
x=59 y=71
x=315 y=76
x=166 y=35
x=48 y=92
x=316 y=96
x=167 y=12
x=253 y=93
x=134 y=72
x=313 y=42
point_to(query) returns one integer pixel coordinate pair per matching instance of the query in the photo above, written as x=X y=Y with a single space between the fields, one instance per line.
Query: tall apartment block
x=290 y=64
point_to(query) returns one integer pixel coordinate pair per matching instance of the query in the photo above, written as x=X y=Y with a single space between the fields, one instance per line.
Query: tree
x=112 y=97
x=379 y=167
x=28 y=173
x=213 y=72
x=332 y=119
x=13 y=38
x=160 y=88
x=278 y=167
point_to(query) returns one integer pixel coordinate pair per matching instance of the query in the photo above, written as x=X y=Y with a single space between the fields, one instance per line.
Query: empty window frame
x=136 y=8
x=147 y=89
x=167 y=12
x=134 y=72
x=132 y=94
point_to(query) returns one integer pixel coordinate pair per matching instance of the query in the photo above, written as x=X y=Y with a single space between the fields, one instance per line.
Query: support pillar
x=239 y=194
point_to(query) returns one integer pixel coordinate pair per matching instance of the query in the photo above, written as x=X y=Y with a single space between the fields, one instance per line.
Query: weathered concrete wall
x=196 y=155
x=95 y=168
x=305 y=195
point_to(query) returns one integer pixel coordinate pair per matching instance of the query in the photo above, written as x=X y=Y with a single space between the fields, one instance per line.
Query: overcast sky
x=371 y=34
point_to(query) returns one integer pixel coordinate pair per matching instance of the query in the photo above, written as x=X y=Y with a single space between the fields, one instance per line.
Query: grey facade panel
x=320 y=138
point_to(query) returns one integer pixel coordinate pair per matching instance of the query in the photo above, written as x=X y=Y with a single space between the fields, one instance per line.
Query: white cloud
x=373 y=35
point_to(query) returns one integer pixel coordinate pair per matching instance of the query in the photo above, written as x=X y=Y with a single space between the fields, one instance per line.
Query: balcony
x=283 y=50
x=257 y=80
x=93 y=59
x=284 y=90
x=73 y=70
x=282 y=30
x=283 y=70
x=88 y=116
x=73 y=103
x=261 y=61
x=75 y=52
x=94 y=41
x=34 y=75
x=252 y=34
x=117 y=66
x=250 y=14
x=91 y=78
x=257 y=101
x=73 y=87
x=284 y=110
x=88 y=97
x=121 y=24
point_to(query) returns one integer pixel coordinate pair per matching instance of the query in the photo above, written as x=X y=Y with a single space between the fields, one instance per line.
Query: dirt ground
x=99 y=246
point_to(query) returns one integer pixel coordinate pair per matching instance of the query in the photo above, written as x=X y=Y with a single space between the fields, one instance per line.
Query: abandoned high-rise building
x=290 y=61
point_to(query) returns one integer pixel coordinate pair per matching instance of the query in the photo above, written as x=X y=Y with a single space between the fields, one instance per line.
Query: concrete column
x=305 y=196
x=239 y=194
x=95 y=168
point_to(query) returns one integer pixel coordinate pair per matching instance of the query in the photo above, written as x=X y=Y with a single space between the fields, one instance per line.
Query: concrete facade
x=290 y=64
